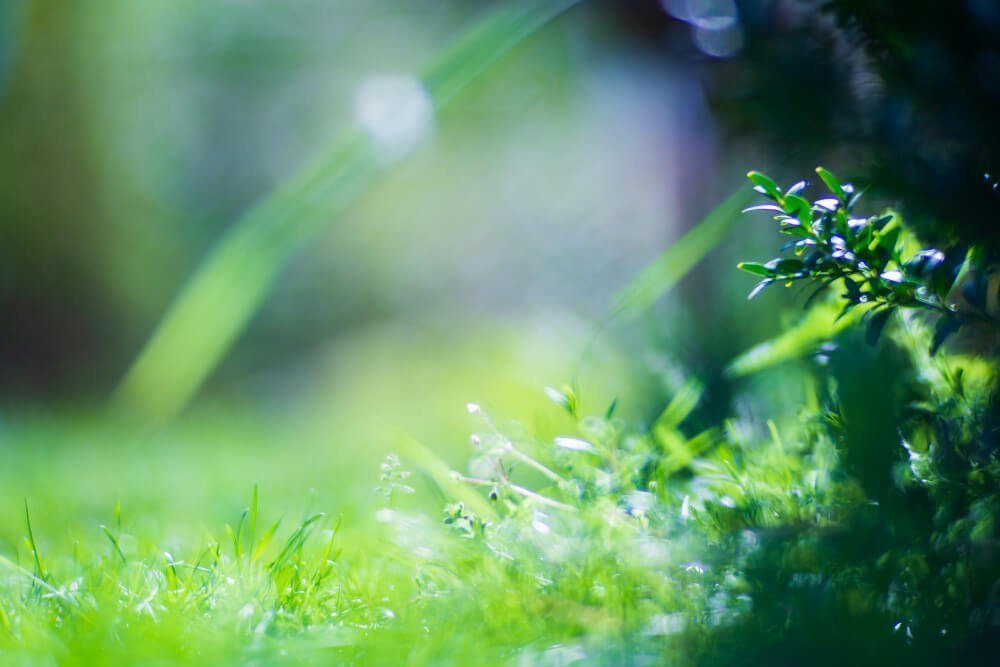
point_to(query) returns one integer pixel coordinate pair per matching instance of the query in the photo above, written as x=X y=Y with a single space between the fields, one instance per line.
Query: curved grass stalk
x=683 y=255
x=220 y=298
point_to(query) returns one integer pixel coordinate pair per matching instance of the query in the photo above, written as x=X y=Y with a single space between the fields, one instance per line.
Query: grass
x=314 y=534
x=548 y=549
x=579 y=536
x=150 y=547
x=86 y=586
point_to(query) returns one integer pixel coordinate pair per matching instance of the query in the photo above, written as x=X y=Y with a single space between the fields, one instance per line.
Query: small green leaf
x=793 y=227
x=755 y=268
x=797 y=188
x=565 y=398
x=799 y=207
x=832 y=182
x=766 y=185
x=785 y=267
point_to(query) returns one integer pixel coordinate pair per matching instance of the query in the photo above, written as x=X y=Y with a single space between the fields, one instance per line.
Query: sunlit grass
x=433 y=493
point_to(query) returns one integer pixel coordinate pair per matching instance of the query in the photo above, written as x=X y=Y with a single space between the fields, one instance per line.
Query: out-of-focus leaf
x=667 y=270
x=819 y=324
x=876 y=323
x=681 y=451
x=755 y=268
x=11 y=20
x=924 y=262
x=945 y=327
x=974 y=289
x=784 y=266
x=684 y=401
x=758 y=288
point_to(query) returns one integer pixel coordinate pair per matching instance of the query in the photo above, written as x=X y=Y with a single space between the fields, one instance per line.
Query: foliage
x=248 y=589
x=873 y=513
x=878 y=264
x=862 y=525
x=907 y=89
x=732 y=546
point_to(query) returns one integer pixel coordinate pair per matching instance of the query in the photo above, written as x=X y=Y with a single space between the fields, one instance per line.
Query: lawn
x=459 y=333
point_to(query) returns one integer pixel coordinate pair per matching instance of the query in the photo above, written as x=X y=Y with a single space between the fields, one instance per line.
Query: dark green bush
x=903 y=92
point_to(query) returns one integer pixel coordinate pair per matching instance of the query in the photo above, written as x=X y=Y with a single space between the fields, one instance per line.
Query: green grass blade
x=252 y=519
x=442 y=475
x=265 y=540
x=683 y=403
x=34 y=545
x=669 y=268
x=681 y=452
x=114 y=543
x=220 y=298
x=819 y=324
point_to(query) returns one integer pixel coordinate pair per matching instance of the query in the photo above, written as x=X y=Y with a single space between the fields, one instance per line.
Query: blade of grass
x=295 y=541
x=446 y=479
x=35 y=580
x=682 y=404
x=677 y=261
x=681 y=452
x=39 y=573
x=234 y=279
x=820 y=323
x=252 y=519
x=663 y=273
x=114 y=542
x=265 y=540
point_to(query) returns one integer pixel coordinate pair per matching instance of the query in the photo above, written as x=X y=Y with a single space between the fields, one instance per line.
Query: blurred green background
x=262 y=245
x=479 y=268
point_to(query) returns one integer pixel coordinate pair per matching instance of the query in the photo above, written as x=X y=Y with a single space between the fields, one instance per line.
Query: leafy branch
x=872 y=257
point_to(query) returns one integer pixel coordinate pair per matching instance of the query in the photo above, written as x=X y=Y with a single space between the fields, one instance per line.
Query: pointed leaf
x=755 y=268
x=766 y=185
x=759 y=288
x=667 y=270
x=797 y=188
x=832 y=182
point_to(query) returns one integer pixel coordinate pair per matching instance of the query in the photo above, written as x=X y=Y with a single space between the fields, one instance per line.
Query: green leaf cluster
x=875 y=260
